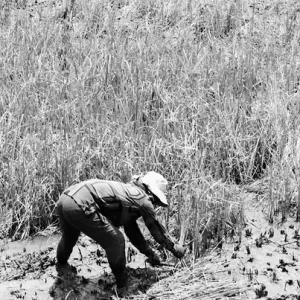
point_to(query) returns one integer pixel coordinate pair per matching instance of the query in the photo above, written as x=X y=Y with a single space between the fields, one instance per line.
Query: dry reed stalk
x=298 y=205
x=206 y=279
x=207 y=81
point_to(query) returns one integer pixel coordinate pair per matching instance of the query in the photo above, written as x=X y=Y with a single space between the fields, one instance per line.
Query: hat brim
x=160 y=195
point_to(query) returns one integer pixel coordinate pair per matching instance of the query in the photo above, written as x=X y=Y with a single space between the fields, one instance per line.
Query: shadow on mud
x=70 y=285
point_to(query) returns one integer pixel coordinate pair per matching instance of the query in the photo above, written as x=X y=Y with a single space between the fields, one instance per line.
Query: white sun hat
x=157 y=184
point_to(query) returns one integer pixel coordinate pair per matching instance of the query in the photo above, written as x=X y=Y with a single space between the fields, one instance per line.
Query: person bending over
x=99 y=207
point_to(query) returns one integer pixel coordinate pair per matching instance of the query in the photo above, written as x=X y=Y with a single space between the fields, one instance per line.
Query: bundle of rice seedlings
x=209 y=278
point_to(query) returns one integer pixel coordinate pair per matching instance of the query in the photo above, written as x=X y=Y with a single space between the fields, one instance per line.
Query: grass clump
x=200 y=92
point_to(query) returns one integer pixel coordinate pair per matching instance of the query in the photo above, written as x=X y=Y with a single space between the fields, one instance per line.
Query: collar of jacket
x=143 y=187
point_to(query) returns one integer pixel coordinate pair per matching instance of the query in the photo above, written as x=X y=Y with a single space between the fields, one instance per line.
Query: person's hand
x=153 y=260
x=179 y=251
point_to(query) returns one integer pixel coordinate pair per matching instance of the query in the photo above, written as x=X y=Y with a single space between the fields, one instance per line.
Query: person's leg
x=97 y=227
x=66 y=206
x=113 y=242
x=115 y=251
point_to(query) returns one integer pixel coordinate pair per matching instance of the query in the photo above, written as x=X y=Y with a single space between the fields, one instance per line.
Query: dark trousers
x=73 y=221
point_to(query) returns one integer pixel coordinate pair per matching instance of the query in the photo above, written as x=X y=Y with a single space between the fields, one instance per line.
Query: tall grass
x=205 y=93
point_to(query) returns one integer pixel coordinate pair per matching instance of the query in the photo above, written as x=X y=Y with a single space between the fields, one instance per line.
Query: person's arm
x=135 y=236
x=159 y=233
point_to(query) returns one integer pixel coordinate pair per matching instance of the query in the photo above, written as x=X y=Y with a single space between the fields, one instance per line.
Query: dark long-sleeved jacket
x=122 y=204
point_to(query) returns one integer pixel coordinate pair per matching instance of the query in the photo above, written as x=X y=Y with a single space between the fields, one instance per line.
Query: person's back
x=117 y=201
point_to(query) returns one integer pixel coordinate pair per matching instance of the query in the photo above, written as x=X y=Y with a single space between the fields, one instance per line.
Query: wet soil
x=28 y=271
x=266 y=256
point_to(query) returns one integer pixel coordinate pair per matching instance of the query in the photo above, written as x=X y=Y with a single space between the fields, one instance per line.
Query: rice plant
x=203 y=92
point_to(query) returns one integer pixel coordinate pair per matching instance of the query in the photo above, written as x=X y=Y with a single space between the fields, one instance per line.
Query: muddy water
x=28 y=271
x=16 y=279
x=36 y=243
